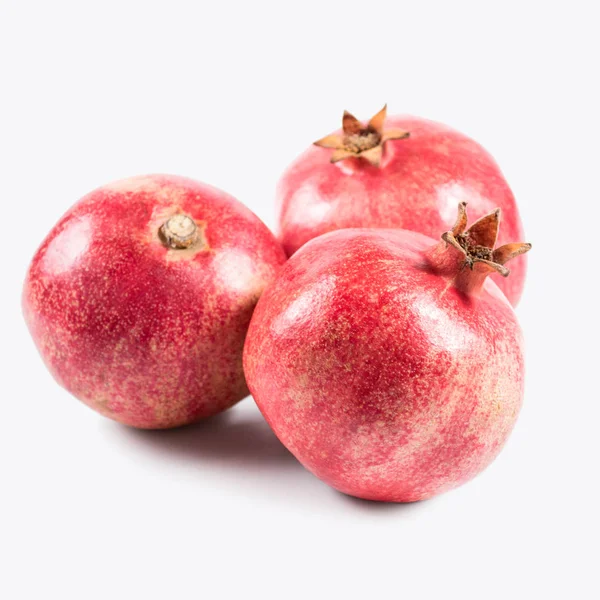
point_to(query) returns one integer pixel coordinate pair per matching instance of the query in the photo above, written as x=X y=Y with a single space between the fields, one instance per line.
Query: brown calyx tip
x=360 y=141
x=477 y=242
x=179 y=232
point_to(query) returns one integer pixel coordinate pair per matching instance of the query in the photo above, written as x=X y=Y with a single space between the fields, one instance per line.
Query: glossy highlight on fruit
x=398 y=172
x=388 y=363
x=139 y=299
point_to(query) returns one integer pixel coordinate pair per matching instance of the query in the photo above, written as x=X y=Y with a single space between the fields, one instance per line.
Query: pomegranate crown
x=476 y=244
x=360 y=141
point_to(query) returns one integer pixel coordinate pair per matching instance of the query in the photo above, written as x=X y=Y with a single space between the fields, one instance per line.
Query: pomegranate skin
x=417 y=187
x=381 y=377
x=148 y=335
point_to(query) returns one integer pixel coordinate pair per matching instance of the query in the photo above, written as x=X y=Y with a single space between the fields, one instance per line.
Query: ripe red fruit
x=140 y=297
x=412 y=183
x=387 y=363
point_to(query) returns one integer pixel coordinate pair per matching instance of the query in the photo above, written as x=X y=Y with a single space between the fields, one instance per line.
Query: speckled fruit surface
x=144 y=330
x=390 y=369
x=416 y=186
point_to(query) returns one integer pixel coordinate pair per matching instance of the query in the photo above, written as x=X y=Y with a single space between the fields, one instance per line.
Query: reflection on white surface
x=67 y=247
x=441 y=329
x=304 y=305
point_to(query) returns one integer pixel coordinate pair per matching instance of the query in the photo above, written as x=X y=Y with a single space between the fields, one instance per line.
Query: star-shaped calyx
x=360 y=141
x=476 y=244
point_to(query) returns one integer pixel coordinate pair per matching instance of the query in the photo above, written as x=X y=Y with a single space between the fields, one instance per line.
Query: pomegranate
x=389 y=364
x=362 y=177
x=140 y=297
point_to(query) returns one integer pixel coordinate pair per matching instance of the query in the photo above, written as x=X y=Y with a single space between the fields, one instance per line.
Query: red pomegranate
x=389 y=364
x=363 y=177
x=140 y=297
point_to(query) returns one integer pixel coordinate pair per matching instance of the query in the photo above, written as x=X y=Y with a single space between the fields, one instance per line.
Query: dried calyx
x=361 y=141
x=468 y=255
x=477 y=243
x=179 y=232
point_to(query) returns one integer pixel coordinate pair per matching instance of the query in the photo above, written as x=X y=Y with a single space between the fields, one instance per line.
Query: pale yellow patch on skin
x=142 y=183
x=442 y=149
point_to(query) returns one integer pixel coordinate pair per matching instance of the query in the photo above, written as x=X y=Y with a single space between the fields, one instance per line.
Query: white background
x=230 y=94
